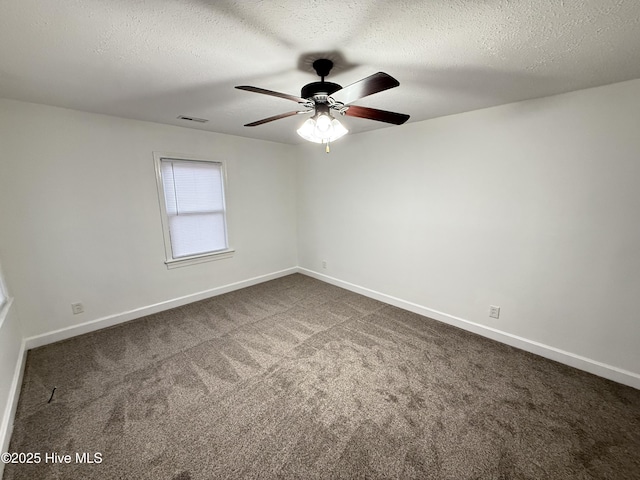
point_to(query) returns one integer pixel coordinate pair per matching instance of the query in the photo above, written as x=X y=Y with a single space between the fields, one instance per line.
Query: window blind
x=194 y=200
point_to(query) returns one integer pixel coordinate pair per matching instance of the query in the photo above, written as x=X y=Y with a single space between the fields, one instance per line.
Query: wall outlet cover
x=77 y=308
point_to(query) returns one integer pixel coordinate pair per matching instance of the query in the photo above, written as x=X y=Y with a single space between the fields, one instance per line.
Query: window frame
x=170 y=261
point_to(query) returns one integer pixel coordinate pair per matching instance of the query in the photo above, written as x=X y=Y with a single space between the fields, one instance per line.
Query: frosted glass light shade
x=323 y=129
x=338 y=130
x=307 y=131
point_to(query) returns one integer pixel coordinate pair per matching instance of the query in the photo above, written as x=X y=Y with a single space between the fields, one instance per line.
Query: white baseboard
x=582 y=363
x=109 y=321
x=6 y=428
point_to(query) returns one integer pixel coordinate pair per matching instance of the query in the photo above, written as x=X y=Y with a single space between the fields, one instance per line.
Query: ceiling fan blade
x=272 y=93
x=375 y=83
x=375 y=114
x=271 y=119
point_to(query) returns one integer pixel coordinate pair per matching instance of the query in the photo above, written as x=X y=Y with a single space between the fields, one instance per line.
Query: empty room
x=309 y=240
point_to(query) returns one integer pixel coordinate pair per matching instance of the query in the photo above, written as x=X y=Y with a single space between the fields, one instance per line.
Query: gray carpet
x=295 y=378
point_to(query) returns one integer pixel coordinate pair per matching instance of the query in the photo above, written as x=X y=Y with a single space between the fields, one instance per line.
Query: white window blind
x=194 y=201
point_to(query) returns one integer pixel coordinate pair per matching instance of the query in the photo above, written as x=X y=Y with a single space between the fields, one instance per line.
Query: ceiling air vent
x=192 y=119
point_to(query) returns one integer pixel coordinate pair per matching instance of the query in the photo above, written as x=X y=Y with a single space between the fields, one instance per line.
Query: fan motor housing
x=319 y=88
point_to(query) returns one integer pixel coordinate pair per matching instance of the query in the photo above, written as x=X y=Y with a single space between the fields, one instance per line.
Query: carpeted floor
x=295 y=378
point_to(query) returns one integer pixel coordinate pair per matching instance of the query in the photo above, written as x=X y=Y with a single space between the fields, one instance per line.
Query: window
x=192 y=202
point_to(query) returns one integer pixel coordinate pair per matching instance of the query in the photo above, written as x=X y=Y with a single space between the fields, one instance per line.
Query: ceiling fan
x=325 y=98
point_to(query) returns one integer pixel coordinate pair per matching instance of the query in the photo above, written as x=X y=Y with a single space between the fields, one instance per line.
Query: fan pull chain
x=327 y=149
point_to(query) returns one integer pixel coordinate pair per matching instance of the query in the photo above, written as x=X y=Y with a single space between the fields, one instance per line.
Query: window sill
x=206 y=257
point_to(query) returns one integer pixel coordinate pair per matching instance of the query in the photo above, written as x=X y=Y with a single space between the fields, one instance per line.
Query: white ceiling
x=155 y=60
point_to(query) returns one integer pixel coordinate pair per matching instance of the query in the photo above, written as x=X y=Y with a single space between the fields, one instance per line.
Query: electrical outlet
x=494 y=312
x=77 y=308
x=324 y=264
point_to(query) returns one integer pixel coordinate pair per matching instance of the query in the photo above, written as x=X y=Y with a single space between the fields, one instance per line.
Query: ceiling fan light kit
x=324 y=97
x=322 y=127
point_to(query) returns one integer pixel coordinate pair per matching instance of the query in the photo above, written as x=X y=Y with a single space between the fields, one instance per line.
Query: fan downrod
x=322 y=66
x=318 y=91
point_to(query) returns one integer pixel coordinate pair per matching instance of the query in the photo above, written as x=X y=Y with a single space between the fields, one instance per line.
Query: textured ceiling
x=155 y=60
